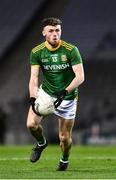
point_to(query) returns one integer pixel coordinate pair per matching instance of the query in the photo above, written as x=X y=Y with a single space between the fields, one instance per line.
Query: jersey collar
x=52 y=49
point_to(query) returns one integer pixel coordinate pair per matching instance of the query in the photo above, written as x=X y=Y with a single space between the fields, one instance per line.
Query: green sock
x=41 y=140
x=65 y=157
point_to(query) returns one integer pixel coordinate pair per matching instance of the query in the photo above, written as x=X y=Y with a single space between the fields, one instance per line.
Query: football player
x=63 y=73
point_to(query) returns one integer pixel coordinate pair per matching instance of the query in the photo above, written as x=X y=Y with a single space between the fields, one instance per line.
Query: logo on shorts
x=71 y=115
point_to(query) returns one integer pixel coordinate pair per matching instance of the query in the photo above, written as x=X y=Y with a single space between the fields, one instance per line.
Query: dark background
x=91 y=26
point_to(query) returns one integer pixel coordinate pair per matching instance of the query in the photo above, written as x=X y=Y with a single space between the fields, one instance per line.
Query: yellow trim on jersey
x=67 y=45
x=47 y=45
x=37 y=48
x=52 y=49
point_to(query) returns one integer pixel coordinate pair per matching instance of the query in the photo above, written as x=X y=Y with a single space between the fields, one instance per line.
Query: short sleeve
x=75 y=56
x=34 y=60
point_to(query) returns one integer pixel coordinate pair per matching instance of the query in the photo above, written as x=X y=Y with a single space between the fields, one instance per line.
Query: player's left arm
x=79 y=77
x=76 y=82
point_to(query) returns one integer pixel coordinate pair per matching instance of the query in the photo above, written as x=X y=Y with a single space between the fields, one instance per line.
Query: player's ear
x=43 y=32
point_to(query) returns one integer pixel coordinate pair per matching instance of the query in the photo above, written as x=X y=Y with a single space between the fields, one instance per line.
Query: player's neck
x=52 y=48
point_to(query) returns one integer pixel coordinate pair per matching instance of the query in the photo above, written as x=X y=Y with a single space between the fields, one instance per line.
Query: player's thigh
x=32 y=119
x=65 y=126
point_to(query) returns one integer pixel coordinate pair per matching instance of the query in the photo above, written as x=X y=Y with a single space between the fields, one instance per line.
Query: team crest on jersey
x=63 y=57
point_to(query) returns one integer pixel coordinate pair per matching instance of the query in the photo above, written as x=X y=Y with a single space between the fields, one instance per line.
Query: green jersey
x=56 y=65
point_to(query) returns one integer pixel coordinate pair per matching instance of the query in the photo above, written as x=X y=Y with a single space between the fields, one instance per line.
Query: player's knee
x=64 y=137
x=32 y=120
x=31 y=125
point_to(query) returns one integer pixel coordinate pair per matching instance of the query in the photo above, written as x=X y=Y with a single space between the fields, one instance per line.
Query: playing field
x=85 y=162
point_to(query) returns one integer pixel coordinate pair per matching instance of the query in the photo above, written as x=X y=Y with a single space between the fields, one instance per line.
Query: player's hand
x=60 y=96
x=32 y=103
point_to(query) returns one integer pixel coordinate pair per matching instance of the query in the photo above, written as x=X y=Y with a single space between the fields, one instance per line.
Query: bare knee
x=32 y=121
x=65 y=137
x=31 y=125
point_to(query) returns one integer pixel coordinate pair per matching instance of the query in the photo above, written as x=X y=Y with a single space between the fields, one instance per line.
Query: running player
x=62 y=68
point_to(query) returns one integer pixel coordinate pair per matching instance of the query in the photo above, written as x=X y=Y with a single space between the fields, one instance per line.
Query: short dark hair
x=51 y=21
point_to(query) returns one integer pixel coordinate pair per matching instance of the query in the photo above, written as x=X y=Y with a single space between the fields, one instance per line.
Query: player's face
x=52 y=34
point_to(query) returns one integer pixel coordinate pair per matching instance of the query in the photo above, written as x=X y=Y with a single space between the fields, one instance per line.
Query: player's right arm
x=33 y=87
x=33 y=83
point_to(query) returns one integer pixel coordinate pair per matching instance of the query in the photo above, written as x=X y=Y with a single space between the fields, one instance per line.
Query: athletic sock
x=65 y=157
x=41 y=141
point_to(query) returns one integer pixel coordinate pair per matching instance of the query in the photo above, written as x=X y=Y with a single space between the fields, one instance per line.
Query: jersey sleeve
x=75 y=56
x=34 y=60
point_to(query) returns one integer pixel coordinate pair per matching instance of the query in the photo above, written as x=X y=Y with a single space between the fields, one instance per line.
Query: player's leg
x=65 y=136
x=35 y=128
